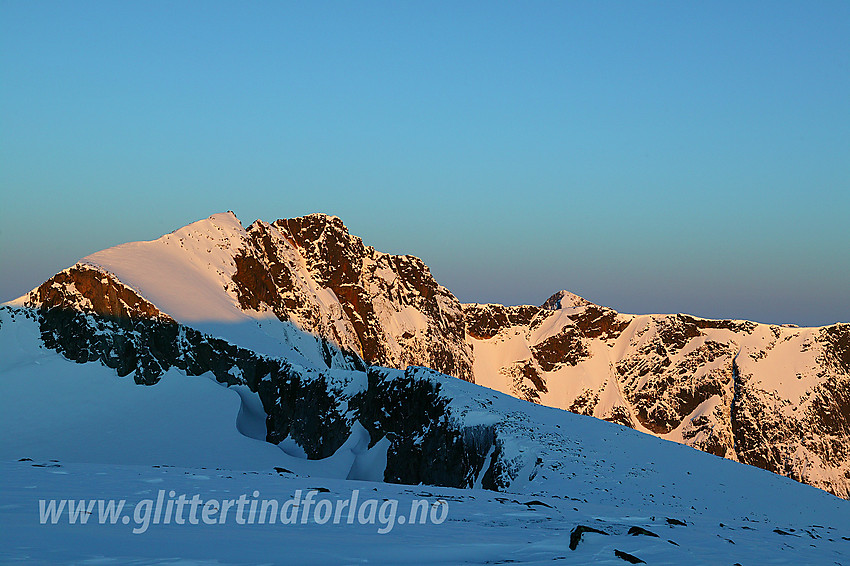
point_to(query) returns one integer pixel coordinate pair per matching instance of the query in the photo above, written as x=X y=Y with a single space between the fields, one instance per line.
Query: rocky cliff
x=771 y=396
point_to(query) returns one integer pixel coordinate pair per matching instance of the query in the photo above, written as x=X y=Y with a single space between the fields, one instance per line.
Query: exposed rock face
x=485 y=321
x=771 y=396
x=777 y=397
x=90 y=289
x=387 y=308
x=805 y=436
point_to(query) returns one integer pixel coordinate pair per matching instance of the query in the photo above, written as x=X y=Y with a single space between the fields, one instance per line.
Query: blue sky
x=650 y=156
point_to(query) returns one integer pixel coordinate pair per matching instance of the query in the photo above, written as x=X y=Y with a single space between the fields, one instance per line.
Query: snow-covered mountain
x=776 y=397
x=304 y=289
x=254 y=286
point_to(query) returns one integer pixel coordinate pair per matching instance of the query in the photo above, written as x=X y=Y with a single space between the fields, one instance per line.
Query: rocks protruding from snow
x=636 y=531
x=484 y=321
x=630 y=558
x=88 y=288
x=576 y=534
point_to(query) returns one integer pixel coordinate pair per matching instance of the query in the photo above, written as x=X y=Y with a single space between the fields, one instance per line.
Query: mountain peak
x=224 y=217
x=324 y=217
x=564 y=299
x=316 y=226
x=221 y=225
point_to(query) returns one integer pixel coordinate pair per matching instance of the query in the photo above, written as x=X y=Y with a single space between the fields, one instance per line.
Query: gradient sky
x=650 y=156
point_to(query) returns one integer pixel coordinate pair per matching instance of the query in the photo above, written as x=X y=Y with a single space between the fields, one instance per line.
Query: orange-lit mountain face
x=777 y=397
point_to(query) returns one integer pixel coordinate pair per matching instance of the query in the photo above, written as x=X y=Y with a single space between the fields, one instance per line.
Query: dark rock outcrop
x=630 y=558
x=426 y=445
x=87 y=288
x=636 y=531
x=576 y=534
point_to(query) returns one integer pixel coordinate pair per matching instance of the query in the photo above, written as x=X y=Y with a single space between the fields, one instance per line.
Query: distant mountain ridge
x=777 y=397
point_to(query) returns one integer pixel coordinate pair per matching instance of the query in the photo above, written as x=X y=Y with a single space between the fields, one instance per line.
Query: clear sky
x=650 y=156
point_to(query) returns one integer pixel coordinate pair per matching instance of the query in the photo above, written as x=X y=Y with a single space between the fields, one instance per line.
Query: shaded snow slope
x=557 y=470
x=85 y=413
x=482 y=527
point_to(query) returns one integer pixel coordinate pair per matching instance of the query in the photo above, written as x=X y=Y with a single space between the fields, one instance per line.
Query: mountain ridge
x=774 y=396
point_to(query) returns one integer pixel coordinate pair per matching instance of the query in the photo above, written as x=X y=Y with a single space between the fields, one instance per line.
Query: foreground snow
x=482 y=527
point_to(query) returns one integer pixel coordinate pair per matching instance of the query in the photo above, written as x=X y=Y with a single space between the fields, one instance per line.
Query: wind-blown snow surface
x=109 y=437
x=482 y=527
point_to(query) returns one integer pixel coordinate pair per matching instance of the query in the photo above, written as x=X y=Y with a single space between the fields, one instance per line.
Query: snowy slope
x=112 y=438
x=183 y=273
x=56 y=409
x=482 y=527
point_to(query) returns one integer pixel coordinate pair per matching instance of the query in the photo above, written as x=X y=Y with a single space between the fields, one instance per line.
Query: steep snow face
x=772 y=396
x=184 y=273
